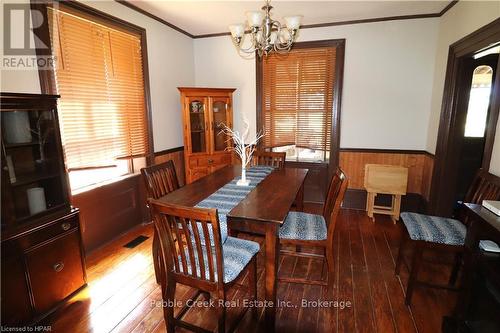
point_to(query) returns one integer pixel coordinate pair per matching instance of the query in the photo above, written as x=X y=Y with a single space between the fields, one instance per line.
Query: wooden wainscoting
x=315 y=184
x=352 y=161
x=419 y=164
x=110 y=210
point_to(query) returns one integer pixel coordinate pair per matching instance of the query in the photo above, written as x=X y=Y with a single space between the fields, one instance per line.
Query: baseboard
x=411 y=202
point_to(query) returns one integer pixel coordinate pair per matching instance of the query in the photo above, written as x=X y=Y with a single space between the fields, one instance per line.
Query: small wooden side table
x=385 y=179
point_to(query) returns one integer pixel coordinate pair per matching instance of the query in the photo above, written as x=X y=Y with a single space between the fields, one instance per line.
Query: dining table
x=480 y=271
x=262 y=212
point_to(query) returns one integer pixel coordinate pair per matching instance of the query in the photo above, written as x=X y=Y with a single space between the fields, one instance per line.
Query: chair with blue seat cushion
x=304 y=226
x=434 y=229
x=160 y=179
x=303 y=229
x=428 y=232
x=236 y=255
x=182 y=262
x=425 y=233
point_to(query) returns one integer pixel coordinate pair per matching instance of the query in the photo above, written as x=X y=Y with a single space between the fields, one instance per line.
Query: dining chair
x=277 y=160
x=196 y=263
x=303 y=229
x=268 y=158
x=160 y=179
x=446 y=235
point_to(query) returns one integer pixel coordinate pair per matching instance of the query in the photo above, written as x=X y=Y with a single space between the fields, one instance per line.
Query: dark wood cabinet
x=54 y=261
x=16 y=304
x=42 y=255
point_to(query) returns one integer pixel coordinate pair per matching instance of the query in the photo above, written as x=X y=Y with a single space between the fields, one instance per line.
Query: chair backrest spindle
x=160 y=179
x=485 y=186
x=266 y=158
x=194 y=258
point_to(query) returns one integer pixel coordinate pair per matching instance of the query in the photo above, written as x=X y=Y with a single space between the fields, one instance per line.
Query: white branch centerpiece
x=242 y=149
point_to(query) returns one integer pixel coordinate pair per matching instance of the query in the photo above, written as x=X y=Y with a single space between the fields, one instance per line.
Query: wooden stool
x=385 y=179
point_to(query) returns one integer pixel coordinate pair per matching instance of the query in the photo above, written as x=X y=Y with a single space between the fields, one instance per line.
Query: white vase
x=36 y=200
x=17 y=127
x=243 y=181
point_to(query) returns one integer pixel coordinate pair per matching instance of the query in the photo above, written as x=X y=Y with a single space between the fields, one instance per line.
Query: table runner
x=229 y=196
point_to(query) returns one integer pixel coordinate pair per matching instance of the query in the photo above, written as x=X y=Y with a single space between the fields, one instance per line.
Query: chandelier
x=267 y=35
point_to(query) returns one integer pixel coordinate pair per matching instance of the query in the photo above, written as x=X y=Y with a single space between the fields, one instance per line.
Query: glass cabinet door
x=197 y=112
x=32 y=161
x=220 y=116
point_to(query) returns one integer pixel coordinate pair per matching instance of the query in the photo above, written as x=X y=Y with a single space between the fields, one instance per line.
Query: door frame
x=448 y=141
x=339 y=44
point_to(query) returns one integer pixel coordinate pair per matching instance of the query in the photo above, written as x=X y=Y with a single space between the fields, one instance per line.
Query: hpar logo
x=26 y=42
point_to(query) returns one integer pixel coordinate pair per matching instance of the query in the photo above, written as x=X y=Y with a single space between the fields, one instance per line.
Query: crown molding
x=154 y=17
x=447 y=8
x=306 y=26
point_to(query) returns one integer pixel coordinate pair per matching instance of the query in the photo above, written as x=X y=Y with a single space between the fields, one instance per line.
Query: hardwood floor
x=123 y=296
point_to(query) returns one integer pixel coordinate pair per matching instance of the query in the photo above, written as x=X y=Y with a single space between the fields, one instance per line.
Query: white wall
x=387 y=89
x=170 y=58
x=217 y=65
x=495 y=156
x=22 y=80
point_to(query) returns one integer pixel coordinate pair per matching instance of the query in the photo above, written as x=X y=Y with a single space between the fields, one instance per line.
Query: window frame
x=339 y=44
x=47 y=77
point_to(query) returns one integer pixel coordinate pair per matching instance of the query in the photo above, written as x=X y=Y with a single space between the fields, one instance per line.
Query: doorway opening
x=469 y=115
x=478 y=76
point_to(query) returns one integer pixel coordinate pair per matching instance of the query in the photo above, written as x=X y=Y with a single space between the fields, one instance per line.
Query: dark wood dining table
x=483 y=224
x=262 y=211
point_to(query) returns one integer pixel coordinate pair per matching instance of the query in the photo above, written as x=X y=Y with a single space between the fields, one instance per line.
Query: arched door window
x=479 y=101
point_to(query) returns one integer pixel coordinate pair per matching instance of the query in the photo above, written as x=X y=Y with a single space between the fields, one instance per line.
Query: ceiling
x=208 y=17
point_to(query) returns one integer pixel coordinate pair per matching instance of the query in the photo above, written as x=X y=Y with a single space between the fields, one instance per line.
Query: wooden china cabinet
x=42 y=257
x=204 y=111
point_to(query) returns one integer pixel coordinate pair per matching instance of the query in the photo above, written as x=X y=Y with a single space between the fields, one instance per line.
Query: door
x=197 y=137
x=16 y=304
x=478 y=77
x=220 y=116
x=197 y=125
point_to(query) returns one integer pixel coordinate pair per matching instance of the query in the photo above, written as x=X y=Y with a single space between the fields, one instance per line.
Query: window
x=297 y=91
x=479 y=102
x=102 y=108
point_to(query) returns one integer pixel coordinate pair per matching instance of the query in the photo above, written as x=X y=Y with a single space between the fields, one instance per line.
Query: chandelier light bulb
x=266 y=35
x=254 y=18
x=293 y=22
x=237 y=30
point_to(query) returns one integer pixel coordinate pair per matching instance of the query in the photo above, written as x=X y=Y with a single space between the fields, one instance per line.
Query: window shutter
x=297 y=98
x=100 y=79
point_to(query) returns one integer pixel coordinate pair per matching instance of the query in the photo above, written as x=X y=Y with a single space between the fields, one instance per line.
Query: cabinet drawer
x=53 y=230
x=219 y=159
x=55 y=270
x=201 y=161
x=198 y=161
